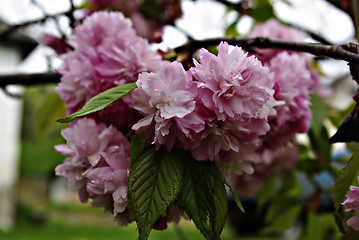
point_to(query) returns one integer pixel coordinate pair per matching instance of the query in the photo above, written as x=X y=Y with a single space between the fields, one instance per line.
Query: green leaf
x=267 y=192
x=203 y=197
x=319 y=225
x=263 y=10
x=218 y=213
x=193 y=197
x=282 y=214
x=318 y=133
x=137 y=146
x=218 y=174
x=320 y=112
x=345 y=178
x=231 y=30
x=154 y=182
x=101 y=101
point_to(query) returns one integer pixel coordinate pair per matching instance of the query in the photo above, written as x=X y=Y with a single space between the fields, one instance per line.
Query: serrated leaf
x=154 y=182
x=203 y=197
x=345 y=179
x=137 y=145
x=218 y=174
x=192 y=197
x=218 y=213
x=101 y=101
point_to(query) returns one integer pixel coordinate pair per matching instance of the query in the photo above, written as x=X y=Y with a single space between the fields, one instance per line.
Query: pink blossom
x=233 y=85
x=167 y=101
x=352 y=202
x=77 y=84
x=151 y=30
x=117 y=54
x=107 y=52
x=97 y=165
x=59 y=45
x=274 y=29
x=292 y=85
x=268 y=163
x=226 y=141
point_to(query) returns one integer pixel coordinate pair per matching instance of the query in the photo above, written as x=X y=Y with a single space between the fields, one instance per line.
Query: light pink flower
x=167 y=100
x=233 y=85
x=97 y=165
x=274 y=29
x=352 y=202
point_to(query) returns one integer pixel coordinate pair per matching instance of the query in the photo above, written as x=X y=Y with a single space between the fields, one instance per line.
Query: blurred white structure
x=10 y=121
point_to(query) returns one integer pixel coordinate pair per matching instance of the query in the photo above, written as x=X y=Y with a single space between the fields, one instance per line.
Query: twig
x=46 y=15
x=29 y=79
x=318 y=49
x=13 y=28
x=70 y=14
x=241 y=7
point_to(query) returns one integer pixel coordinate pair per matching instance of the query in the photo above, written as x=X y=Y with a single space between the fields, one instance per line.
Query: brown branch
x=318 y=49
x=332 y=51
x=29 y=79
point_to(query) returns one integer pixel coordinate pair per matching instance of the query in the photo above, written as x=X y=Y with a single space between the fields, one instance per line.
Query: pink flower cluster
x=97 y=166
x=352 y=202
x=294 y=80
x=218 y=116
x=227 y=108
x=107 y=52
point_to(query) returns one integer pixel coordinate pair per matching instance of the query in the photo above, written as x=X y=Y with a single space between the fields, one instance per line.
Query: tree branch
x=318 y=49
x=337 y=52
x=13 y=28
x=29 y=79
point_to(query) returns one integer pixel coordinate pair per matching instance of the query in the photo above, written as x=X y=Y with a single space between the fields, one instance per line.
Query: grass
x=38 y=218
x=82 y=222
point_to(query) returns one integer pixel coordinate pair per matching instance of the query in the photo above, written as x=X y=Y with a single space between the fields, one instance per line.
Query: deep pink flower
x=167 y=100
x=107 y=52
x=151 y=30
x=59 y=45
x=233 y=85
x=97 y=165
x=292 y=85
x=117 y=54
x=352 y=202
